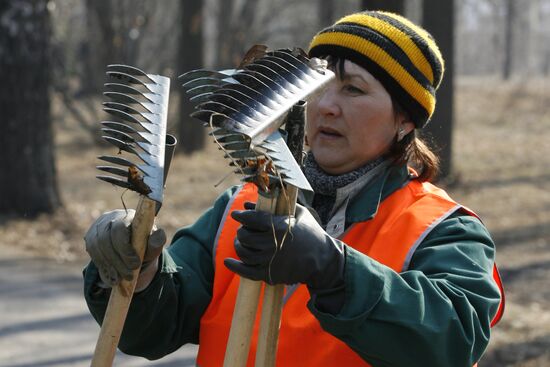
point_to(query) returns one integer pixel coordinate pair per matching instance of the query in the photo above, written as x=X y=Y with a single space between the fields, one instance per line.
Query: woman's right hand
x=108 y=242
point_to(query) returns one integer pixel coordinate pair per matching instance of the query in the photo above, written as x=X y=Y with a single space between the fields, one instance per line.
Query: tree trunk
x=191 y=132
x=439 y=21
x=509 y=40
x=98 y=50
x=326 y=13
x=235 y=19
x=394 y=6
x=28 y=183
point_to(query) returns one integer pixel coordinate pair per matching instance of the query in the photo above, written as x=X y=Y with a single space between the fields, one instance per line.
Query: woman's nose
x=328 y=103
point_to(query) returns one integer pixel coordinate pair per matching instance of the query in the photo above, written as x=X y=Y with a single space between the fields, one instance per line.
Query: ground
x=501 y=160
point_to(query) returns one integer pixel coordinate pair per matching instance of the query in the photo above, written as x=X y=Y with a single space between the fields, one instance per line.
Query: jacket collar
x=367 y=197
x=365 y=204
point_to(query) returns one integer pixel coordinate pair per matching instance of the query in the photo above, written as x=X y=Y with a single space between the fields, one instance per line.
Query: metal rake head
x=139 y=104
x=246 y=107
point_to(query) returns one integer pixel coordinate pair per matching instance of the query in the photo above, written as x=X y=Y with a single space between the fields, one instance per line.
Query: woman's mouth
x=329 y=133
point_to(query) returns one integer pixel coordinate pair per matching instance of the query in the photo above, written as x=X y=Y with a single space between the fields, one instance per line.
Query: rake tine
x=272 y=75
x=114 y=170
x=202 y=81
x=200 y=98
x=231 y=138
x=291 y=59
x=116 y=160
x=204 y=73
x=235 y=146
x=227 y=111
x=221 y=131
x=152 y=150
x=122 y=115
x=128 y=99
x=150 y=117
x=201 y=89
x=242 y=154
x=126 y=89
x=227 y=124
x=156 y=81
x=286 y=73
x=116 y=181
x=127 y=69
x=237 y=104
x=250 y=102
x=119 y=135
x=271 y=103
x=270 y=83
x=121 y=145
x=123 y=77
x=256 y=84
x=218 y=120
x=122 y=107
x=279 y=152
x=119 y=126
x=299 y=72
x=202 y=115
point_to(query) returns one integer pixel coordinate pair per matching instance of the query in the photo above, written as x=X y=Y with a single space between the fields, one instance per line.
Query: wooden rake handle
x=272 y=305
x=246 y=305
x=121 y=295
x=236 y=354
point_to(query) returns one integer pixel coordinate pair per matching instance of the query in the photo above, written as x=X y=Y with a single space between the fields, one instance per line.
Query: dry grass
x=501 y=157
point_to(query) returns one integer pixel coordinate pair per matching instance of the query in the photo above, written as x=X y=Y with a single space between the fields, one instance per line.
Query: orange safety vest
x=403 y=220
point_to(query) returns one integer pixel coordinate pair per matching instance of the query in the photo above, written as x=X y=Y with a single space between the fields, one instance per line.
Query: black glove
x=302 y=252
x=108 y=244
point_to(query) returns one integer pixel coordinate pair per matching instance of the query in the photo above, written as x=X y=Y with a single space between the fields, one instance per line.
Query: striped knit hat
x=400 y=54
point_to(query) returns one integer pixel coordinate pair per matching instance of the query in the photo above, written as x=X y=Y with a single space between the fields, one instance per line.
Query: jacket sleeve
x=437 y=313
x=167 y=313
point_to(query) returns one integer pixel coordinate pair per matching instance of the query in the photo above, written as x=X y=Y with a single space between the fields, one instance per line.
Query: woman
x=383 y=268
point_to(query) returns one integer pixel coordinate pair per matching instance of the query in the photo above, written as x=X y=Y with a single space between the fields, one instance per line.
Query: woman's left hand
x=281 y=249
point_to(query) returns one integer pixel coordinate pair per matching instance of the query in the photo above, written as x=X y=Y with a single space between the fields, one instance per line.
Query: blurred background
x=491 y=128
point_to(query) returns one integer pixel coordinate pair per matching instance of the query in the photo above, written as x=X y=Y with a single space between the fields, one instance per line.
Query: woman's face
x=352 y=122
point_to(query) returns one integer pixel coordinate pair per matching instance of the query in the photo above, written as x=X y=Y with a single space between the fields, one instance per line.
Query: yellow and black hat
x=401 y=55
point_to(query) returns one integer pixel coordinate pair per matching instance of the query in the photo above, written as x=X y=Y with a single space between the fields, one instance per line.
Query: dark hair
x=413 y=151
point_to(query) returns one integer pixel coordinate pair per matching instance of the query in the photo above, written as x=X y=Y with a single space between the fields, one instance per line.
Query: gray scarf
x=325 y=185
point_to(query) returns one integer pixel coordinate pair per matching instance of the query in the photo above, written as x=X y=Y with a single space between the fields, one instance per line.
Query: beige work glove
x=108 y=242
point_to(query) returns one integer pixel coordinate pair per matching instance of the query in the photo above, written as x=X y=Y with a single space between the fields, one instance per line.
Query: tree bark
x=28 y=184
x=191 y=132
x=439 y=21
x=234 y=22
x=394 y=6
x=326 y=13
x=509 y=40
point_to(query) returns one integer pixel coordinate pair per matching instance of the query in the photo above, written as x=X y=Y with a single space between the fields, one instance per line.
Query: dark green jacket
x=437 y=313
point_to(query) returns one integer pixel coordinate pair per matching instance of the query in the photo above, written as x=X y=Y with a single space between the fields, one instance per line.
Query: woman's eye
x=353 y=89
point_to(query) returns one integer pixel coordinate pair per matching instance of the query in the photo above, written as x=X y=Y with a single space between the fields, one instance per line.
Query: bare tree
x=509 y=40
x=438 y=19
x=395 y=6
x=235 y=19
x=28 y=181
x=115 y=29
x=326 y=12
x=191 y=133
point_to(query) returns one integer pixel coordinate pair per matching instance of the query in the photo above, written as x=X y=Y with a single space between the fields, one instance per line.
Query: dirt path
x=523 y=336
x=44 y=320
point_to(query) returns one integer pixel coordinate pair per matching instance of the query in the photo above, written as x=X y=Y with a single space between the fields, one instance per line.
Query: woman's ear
x=405 y=127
